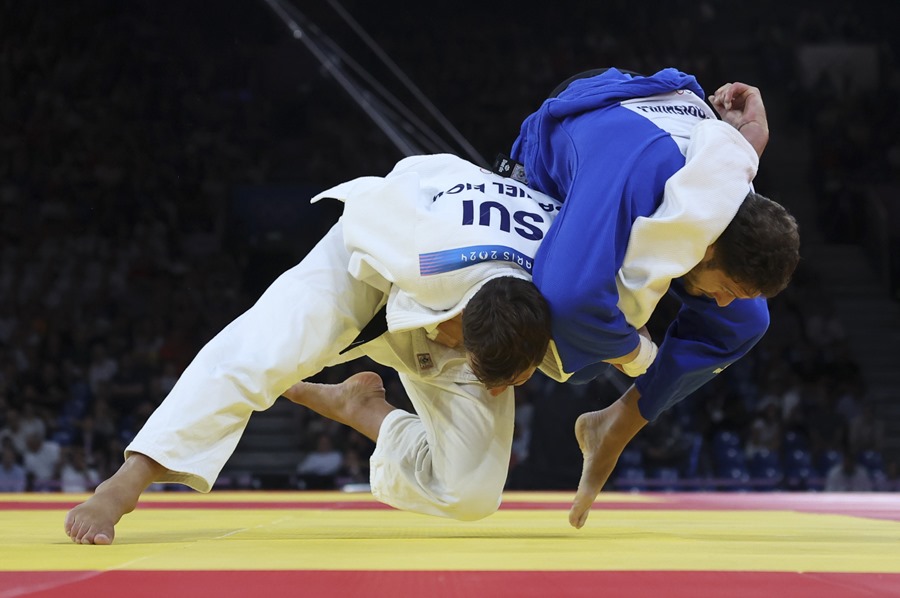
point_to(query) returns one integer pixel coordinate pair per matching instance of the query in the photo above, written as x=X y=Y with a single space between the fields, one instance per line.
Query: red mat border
x=447 y=584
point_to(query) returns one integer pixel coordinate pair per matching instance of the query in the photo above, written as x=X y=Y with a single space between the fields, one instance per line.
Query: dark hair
x=760 y=248
x=506 y=329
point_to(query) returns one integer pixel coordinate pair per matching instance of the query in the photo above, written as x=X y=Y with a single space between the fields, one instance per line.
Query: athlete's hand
x=741 y=106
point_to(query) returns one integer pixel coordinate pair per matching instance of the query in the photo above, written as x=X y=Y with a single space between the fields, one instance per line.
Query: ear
x=709 y=255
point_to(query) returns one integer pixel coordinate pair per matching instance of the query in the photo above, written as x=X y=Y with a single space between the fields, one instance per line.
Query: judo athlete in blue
x=610 y=147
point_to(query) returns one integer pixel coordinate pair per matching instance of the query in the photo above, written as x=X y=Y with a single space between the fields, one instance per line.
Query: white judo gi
x=423 y=239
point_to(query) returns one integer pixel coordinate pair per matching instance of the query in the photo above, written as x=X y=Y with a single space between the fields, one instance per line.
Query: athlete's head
x=756 y=255
x=506 y=331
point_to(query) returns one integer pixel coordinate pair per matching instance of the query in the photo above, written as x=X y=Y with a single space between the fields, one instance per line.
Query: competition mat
x=269 y=545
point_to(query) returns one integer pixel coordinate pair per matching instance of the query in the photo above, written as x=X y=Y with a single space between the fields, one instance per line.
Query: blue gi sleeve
x=703 y=340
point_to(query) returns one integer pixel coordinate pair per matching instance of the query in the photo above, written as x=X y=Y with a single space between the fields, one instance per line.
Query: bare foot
x=358 y=402
x=94 y=521
x=602 y=435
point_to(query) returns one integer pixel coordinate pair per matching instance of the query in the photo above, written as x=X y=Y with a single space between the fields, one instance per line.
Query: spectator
x=102 y=367
x=13 y=430
x=827 y=429
x=866 y=431
x=89 y=440
x=166 y=379
x=103 y=416
x=850 y=397
x=766 y=432
x=848 y=476
x=823 y=327
x=891 y=481
x=318 y=470
x=75 y=475
x=354 y=469
x=41 y=460
x=12 y=475
x=128 y=385
x=31 y=423
x=791 y=399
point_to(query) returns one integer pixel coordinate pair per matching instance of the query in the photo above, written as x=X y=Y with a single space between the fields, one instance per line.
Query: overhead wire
x=403 y=127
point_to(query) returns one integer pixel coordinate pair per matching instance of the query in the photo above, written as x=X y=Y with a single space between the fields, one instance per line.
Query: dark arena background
x=156 y=161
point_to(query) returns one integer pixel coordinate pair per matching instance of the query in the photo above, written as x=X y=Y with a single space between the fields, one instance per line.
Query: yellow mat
x=334 y=531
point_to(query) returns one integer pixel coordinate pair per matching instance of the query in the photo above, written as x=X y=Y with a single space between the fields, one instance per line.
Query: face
x=518 y=381
x=711 y=282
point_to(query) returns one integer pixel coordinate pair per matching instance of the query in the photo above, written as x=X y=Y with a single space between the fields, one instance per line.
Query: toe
x=89 y=534
x=77 y=532
x=581 y=506
x=577 y=516
x=69 y=522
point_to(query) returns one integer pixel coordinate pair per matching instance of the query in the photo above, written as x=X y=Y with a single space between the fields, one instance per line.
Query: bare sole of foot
x=600 y=453
x=358 y=402
x=602 y=435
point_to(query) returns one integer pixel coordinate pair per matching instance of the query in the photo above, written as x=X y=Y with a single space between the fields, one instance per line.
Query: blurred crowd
x=125 y=131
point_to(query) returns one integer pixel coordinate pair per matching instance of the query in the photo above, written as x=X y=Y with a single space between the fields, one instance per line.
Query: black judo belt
x=375 y=328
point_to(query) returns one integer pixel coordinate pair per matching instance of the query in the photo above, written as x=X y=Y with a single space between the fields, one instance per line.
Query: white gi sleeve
x=700 y=201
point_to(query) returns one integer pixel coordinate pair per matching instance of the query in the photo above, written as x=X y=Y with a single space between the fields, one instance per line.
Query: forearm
x=757 y=134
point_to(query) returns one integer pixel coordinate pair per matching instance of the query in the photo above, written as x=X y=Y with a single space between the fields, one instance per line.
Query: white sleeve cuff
x=644 y=359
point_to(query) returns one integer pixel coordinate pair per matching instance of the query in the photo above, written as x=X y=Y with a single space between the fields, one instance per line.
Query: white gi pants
x=449 y=459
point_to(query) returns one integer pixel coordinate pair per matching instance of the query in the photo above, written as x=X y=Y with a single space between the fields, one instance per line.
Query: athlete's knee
x=472 y=504
x=477 y=495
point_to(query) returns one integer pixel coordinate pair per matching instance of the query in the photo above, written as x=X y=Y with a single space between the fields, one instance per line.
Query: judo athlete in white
x=421 y=241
